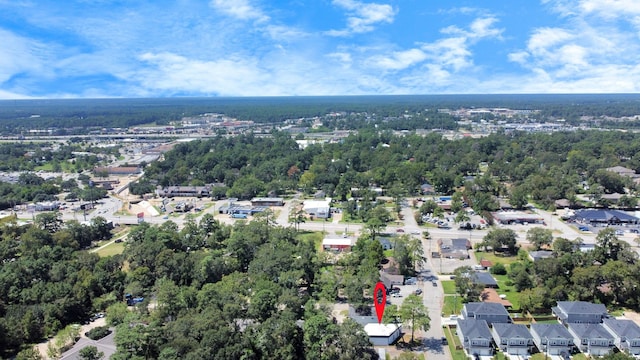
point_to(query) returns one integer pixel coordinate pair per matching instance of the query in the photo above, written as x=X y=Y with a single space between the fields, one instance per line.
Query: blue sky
x=158 y=48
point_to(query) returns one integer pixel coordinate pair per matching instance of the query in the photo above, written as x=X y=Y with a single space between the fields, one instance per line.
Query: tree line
x=519 y=167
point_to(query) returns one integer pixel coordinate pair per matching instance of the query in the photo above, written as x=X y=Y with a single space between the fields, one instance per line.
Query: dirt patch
x=632 y=315
x=340 y=312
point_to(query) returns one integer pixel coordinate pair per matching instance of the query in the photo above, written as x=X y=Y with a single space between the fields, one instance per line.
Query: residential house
x=552 y=339
x=475 y=337
x=579 y=312
x=427 y=189
x=513 y=339
x=484 y=278
x=486 y=264
x=591 y=339
x=390 y=279
x=383 y=334
x=490 y=312
x=626 y=334
x=537 y=255
x=385 y=242
x=338 y=243
x=612 y=198
x=622 y=171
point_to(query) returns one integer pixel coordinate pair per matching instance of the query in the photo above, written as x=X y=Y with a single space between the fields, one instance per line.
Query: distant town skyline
x=111 y=48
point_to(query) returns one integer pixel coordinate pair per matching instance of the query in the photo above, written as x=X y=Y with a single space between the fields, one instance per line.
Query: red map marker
x=379 y=300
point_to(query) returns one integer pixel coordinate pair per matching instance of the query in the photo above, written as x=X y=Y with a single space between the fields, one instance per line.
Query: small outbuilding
x=338 y=243
x=383 y=334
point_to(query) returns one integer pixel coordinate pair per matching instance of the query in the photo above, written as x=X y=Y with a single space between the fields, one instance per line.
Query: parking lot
x=405 y=290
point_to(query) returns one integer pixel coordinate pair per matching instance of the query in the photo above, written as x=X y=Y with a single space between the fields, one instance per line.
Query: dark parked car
x=434 y=283
x=418 y=291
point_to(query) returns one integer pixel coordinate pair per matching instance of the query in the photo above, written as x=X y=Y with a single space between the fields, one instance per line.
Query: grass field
x=111 y=249
x=452 y=305
x=505 y=260
x=510 y=291
x=449 y=287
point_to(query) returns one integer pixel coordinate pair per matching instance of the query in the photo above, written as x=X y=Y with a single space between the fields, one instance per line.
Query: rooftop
x=384 y=330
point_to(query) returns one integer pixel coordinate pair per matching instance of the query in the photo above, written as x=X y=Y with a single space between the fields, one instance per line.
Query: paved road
x=433 y=299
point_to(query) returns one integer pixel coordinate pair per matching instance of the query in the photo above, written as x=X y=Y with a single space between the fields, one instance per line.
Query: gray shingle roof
x=590 y=331
x=623 y=328
x=551 y=331
x=512 y=331
x=474 y=329
x=486 y=308
x=581 y=307
x=484 y=278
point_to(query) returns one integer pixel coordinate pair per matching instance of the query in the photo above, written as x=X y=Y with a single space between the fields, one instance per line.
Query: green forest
x=520 y=167
x=80 y=116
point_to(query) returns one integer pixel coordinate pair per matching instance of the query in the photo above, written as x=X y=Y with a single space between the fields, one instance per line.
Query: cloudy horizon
x=117 y=48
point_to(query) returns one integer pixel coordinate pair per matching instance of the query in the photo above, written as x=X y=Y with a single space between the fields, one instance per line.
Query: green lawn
x=452 y=305
x=112 y=249
x=512 y=295
x=449 y=287
x=454 y=341
x=505 y=260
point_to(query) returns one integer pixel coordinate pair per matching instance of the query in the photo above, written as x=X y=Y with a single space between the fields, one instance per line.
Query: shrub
x=98 y=332
x=498 y=269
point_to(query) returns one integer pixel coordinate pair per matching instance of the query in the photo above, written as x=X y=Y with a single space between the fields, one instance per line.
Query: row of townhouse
x=581 y=326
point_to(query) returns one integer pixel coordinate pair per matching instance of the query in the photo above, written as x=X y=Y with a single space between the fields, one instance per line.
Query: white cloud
x=483 y=28
x=444 y=55
x=342 y=57
x=362 y=16
x=592 y=51
x=518 y=57
x=544 y=39
x=175 y=73
x=450 y=52
x=239 y=9
x=480 y=28
x=604 y=10
x=21 y=55
x=399 y=60
x=609 y=8
x=285 y=33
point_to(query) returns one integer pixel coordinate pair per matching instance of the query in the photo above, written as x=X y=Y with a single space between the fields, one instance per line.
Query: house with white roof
x=383 y=334
x=338 y=243
x=318 y=208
